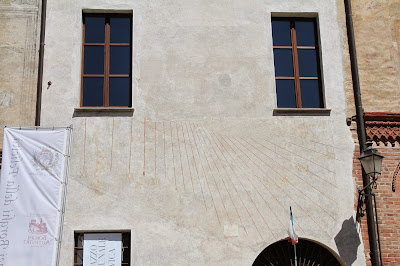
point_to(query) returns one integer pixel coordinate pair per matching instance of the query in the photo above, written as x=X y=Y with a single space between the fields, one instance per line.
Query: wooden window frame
x=107 y=44
x=294 y=47
x=126 y=245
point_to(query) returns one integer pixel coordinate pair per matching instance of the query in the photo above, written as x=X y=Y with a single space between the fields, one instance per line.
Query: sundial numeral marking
x=155 y=181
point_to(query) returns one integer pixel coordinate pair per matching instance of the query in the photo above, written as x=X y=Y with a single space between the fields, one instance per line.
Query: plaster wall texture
x=203 y=172
x=377 y=34
x=19 y=44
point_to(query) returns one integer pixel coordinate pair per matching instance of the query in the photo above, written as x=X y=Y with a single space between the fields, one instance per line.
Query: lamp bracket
x=371 y=184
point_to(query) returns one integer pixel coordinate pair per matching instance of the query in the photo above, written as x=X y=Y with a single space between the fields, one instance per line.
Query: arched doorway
x=308 y=253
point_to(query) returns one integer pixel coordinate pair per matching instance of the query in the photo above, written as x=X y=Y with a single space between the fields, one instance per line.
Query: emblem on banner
x=37 y=228
x=45 y=159
x=37 y=234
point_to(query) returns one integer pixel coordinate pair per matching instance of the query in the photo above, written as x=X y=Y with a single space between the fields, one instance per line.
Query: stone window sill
x=301 y=112
x=103 y=111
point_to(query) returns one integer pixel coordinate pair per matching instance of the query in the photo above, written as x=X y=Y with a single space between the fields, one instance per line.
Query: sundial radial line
x=155 y=149
x=248 y=180
x=312 y=173
x=112 y=145
x=180 y=156
x=287 y=170
x=245 y=164
x=288 y=195
x=244 y=172
x=219 y=173
x=204 y=172
x=165 y=162
x=187 y=156
x=298 y=155
x=215 y=182
x=195 y=166
x=288 y=181
x=324 y=144
x=130 y=147
x=248 y=213
x=233 y=187
x=295 y=144
x=173 y=156
x=84 y=149
x=144 y=146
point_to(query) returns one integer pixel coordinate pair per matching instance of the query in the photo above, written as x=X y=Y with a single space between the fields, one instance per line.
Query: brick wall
x=388 y=205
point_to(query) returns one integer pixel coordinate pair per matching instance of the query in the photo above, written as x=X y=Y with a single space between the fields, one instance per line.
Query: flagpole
x=294 y=246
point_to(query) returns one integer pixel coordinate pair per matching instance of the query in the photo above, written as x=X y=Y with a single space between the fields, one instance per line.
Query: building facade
x=19 y=49
x=196 y=125
x=377 y=33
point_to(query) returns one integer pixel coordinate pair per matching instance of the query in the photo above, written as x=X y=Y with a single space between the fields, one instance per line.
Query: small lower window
x=99 y=248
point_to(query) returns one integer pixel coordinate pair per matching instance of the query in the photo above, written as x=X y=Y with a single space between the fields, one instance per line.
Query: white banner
x=30 y=195
x=102 y=249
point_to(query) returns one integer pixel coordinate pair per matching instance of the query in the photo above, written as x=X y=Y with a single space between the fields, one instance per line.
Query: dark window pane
x=94 y=29
x=120 y=92
x=281 y=33
x=285 y=94
x=305 y=33
x=120 y=57
x=92 y=91
x=120 y=30
x=308 y=66
x=310 y=94
x=126 y=252
x=79 y=256
x=93 y=60
x=283 y=61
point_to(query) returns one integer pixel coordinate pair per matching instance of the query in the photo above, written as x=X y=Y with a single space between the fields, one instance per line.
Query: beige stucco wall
x=377 y=34
x=19 y=44
x=203 y=172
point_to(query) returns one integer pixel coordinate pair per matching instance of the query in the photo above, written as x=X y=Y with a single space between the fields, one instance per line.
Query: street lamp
x=371 y=162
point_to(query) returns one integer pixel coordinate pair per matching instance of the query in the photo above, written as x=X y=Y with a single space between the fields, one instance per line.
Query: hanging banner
x=102 y=249
x=30 y=195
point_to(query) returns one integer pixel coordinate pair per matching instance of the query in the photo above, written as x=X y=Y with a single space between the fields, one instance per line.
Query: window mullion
x=106 y=63
x=295 y=66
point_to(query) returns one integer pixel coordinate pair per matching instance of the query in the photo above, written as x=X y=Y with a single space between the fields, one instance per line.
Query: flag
x=293 y=238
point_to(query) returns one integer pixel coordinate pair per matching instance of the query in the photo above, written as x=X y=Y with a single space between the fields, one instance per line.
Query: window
x=79 y=242
x=107 y=56
x=297 y=63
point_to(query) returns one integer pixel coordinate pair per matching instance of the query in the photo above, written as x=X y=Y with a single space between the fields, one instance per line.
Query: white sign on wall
x=102 y=249
x=30 y=195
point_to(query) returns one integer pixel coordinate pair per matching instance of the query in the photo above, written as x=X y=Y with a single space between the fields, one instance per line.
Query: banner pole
x=295 y=256
x=64 y=196
x=32 y=127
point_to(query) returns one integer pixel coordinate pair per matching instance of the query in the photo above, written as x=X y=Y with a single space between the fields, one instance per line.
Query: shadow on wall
x=347 y=241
